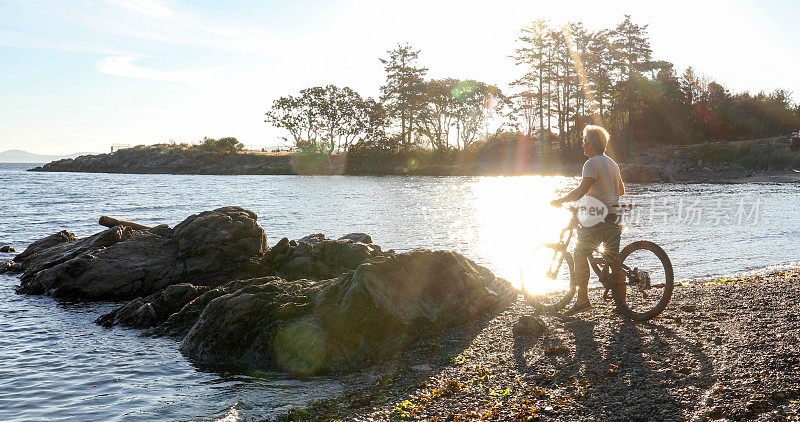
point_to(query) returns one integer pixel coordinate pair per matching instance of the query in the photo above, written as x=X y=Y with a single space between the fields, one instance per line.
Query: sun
x=514 y=219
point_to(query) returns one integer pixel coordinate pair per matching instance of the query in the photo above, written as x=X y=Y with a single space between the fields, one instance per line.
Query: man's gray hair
x=598 y=137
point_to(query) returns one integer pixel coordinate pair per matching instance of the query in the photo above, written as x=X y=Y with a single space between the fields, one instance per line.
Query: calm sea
x=57 y=364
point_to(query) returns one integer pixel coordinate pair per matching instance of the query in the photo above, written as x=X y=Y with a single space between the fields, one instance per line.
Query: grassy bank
x=773 y=155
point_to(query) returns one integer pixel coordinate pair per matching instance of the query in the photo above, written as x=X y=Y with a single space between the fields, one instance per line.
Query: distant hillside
x=17 y=156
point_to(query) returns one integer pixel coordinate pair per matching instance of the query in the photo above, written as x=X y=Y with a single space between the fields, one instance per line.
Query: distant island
x=17 y=156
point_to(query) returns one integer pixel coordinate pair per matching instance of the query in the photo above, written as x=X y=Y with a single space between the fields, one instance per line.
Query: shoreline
x=703 y=358
x=666 y=164
x=759 y=177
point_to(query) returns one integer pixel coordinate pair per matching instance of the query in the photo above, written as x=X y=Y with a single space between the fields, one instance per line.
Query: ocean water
x=57 y=364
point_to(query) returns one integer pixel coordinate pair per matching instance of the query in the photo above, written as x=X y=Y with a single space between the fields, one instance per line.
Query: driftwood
x=113 y=222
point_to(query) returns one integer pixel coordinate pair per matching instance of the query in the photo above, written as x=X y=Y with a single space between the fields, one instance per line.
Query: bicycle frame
x=600 y=265
x=561 y=246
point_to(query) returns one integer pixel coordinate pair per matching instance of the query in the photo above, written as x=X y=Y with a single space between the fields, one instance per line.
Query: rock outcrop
x=305 y=306
x=313 y=326
x=179 y=323
x=313 y=257
x=154 y=309
x=208 y=248
x=171 y=159
x=364 y=316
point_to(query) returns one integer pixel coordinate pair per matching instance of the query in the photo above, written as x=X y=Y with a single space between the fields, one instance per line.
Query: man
x=602 y=184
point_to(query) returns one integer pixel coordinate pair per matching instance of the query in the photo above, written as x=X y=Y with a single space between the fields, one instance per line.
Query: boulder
x=357 y=237
x=529 y=325
x=316 y=257
x=212 y=242
x=363 y=316
x=45 y=243
x=209 y=248
x=9 y=266
x=153 y=310
x=180 y=322
x=7 y=249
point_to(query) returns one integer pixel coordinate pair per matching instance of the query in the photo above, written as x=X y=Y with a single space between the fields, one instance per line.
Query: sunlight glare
x=514 y=218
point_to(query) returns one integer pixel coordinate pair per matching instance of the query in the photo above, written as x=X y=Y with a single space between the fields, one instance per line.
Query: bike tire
x=556 y=301
x=669 y=282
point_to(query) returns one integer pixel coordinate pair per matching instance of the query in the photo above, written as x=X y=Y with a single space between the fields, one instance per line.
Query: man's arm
x=621 y=188
x=576 y=193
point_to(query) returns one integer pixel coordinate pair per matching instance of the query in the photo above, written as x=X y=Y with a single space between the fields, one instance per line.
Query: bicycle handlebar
x=573 y=209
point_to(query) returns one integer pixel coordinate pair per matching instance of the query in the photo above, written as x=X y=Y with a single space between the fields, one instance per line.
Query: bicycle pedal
x=607 y=295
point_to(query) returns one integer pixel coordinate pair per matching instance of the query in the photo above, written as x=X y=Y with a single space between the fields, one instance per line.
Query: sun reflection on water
x=513 y=217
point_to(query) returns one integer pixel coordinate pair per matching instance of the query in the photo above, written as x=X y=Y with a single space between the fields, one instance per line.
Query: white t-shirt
x=607 y=179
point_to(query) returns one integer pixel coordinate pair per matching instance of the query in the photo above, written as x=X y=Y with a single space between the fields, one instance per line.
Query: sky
x=79 y=76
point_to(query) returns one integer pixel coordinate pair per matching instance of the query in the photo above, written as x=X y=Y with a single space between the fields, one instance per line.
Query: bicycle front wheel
x=648 y=281
x=557 y=288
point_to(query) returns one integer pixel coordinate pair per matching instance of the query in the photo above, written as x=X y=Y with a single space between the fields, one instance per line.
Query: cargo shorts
x=608 y=233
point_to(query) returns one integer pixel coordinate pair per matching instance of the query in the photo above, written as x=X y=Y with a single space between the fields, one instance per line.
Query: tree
x=476 y=103
x=344 y=115
x=403 y=91
x=228 y=145
x=533 y=55
x=324 y=119
x=691 y=85
x=599 y=63
x=286 y=113
x=525 y=110
x=376 y=119
x=439 y=113
x=631 y=48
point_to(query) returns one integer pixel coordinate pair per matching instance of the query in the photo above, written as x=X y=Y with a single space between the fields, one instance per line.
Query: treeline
x=569 y=77
x=412 y=112
x=574 y=76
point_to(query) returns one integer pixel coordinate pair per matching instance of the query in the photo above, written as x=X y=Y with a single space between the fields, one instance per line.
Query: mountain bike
x=647 y=270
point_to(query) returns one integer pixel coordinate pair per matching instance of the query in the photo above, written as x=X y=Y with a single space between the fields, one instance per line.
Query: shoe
x=578 y=307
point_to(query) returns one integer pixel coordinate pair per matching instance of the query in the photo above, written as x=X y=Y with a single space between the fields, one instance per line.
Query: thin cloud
x=118 y=27
x=125 y=111
x=151 y=8
x=123 y=66
x=160 y=22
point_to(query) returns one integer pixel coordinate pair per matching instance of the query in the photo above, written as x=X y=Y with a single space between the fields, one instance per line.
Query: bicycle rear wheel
x=648 y=283
x=559 y=285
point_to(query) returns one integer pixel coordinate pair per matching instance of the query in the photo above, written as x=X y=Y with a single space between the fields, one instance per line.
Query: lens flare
x=588 y=93
x=300 y=348
x=464 y=90
x=411 y=165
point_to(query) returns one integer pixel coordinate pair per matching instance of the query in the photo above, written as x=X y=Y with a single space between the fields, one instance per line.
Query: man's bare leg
x=623 y=288
x=582 y=282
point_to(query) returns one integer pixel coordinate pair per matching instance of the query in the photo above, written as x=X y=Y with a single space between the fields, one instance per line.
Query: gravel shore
x=723 y=350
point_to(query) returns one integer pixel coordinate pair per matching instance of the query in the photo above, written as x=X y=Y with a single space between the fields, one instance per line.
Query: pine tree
x=533 y=56
x=403 y=94
x=631 y=48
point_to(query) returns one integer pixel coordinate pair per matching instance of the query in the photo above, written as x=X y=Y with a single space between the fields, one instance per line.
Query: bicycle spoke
x=646 y=281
